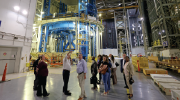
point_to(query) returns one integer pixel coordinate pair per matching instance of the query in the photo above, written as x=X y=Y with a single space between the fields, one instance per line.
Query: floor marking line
x=128 y=93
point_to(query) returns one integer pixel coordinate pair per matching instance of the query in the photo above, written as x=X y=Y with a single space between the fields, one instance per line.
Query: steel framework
x=69 y=32
x=164 y=16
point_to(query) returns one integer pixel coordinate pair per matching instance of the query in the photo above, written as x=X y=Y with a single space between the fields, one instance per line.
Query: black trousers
x=100 y=77
x=95 y=83
x=125 y=80
x=66 y=75
x=35 y=82
x=42 y=85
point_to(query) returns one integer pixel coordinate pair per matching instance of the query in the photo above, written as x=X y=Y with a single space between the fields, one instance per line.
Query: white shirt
x=66 y=63
x=123 y=61
x=113 y=64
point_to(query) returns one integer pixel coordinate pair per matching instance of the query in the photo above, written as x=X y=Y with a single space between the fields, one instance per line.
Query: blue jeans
x=105 y=80
x=109 y=79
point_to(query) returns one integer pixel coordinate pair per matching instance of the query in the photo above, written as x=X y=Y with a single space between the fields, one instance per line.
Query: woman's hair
x=127 y=57
x=112 y=58
x=106 y=58
x=93 y=58
x=100 y=57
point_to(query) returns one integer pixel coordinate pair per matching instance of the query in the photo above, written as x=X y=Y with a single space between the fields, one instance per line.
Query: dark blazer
x=122 y=65
x=35 y=64
x=94 y=68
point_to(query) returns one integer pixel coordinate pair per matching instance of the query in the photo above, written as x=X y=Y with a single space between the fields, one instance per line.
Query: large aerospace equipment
x=67 y=25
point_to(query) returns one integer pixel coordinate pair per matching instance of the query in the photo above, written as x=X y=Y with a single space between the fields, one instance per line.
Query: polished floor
x=21 y=88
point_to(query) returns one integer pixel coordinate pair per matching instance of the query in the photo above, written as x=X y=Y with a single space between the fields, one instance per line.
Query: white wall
x=109 y=51
x=138 y=50
x=18 y=24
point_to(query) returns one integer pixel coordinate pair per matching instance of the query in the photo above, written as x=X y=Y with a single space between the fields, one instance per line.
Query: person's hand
x=84 y=76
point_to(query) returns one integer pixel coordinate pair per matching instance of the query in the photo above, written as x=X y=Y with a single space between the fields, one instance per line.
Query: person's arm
x=102 y=68
x=131 y=69
x=85 y=68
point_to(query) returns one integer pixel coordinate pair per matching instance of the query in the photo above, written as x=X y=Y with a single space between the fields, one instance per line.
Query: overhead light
x=141 y=18
x=119 y=4
x=24 y=12
x=74 y=23
x=133 y=28
x=132 y=24
x=142 y=34
x=42 y=12
x=99 y=14
x=100 y=33
x=159 y=33
x=16 y=8
x=163 y=31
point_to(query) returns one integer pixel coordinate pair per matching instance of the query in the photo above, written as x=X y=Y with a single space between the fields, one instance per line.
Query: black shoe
x=46 y=95
x=39 y=95
x=126 y=87
x=68 y=93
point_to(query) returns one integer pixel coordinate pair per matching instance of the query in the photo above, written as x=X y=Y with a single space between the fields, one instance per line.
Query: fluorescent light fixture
x=133 y=28
x=100 y=33
x=134 y=37
x=163 y=31
x=16 y=8
x=132 y=24
x=141 y=18
x=119 y=4
x=99 y=14
x=142 y=34
x=74 y=23
x=24 y=12
x=159 y=33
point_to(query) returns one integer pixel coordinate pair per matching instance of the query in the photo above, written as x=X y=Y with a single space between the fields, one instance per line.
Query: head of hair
x=100 y=57
x=112 y=58
x=93 y=58
x=106 y=58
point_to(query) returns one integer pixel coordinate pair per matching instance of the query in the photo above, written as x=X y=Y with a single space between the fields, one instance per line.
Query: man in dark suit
x=122 y=69
x=35 y=64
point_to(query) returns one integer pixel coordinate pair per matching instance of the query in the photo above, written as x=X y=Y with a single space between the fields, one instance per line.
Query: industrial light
x=42 y=12
x=100 y=33
x=119 y=4
x=133 y=28
x=24 y=12
x=159 y=33
x=141 y=18
x=99 y=14
x=142 y=34
x=132 y=24
x=16 y=8
x=163 y=31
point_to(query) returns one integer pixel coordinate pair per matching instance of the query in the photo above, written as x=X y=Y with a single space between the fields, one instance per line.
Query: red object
x=4 y=74
x=138 y=66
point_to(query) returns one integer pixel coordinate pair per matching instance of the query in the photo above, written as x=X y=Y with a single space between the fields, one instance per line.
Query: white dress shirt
x=123 y=61
x=66 y=64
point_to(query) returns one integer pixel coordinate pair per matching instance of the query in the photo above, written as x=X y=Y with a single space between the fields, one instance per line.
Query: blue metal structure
x=64 y=31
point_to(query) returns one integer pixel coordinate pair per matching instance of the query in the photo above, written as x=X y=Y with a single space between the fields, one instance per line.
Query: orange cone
x=4 y=74
x=138 y=66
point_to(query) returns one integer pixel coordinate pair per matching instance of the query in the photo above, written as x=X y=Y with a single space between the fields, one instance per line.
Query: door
x=7 y=55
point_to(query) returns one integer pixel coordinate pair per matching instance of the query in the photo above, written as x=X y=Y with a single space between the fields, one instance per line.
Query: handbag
x=93 y=80
x=116 y=64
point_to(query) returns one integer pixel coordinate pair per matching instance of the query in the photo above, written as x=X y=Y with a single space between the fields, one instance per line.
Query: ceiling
x=104 y=5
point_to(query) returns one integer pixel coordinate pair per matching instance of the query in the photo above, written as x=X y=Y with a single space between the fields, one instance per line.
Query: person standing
x=104 y=67
x=128 y=71
x=35 y=64
x=94 y=73
x=81 y=70
x=99 y=63
x=66 y=73
x=122 y=69
x=42 y=72
x=113 y=70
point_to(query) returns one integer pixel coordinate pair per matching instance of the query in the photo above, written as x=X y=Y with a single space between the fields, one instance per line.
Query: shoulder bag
x=103 y=71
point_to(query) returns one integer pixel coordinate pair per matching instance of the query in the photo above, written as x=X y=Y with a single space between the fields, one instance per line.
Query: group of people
x=105 y=66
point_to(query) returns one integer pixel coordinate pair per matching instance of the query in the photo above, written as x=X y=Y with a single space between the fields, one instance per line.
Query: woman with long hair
x=42 y=73
x=113 y=70
x=104 y=66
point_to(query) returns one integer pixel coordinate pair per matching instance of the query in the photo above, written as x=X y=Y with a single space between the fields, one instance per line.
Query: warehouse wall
x=137 y=50
x=109 y=51
x=17 y=24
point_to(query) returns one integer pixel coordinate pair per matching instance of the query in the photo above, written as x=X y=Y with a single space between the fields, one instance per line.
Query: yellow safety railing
x=142 y=61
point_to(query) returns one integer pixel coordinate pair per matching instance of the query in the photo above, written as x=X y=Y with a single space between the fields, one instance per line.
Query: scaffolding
x=164 y=16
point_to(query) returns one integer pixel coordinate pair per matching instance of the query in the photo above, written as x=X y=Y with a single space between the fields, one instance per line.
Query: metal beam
x=127 y=7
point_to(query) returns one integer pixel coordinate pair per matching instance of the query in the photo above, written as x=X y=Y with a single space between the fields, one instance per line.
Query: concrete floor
x=22 y=88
